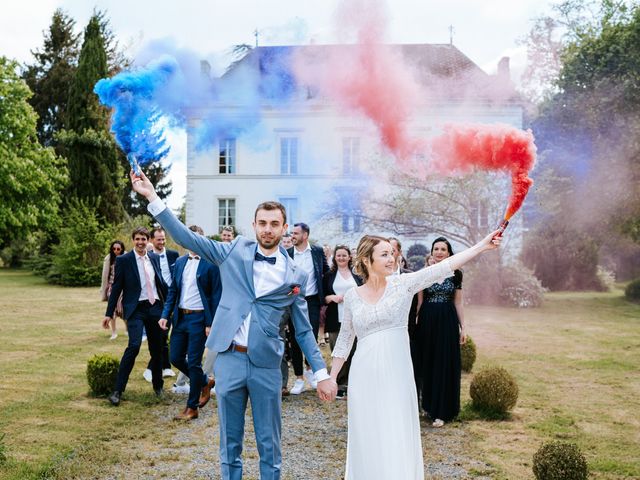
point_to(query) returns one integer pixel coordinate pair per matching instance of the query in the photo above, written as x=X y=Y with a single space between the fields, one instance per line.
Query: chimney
x=503 y=70
x=205 y=68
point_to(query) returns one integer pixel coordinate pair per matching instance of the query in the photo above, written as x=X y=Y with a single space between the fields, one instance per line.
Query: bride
x=384 y=427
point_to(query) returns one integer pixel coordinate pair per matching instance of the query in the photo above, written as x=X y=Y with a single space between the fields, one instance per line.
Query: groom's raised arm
x=215 y=252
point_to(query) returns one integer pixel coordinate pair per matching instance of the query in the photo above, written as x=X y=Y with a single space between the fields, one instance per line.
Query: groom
x=259 y=282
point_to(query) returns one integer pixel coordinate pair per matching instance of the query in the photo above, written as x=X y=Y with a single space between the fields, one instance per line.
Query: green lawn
x=577 y=362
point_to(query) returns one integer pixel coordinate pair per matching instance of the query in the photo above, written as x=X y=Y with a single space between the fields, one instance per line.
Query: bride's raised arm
x=422 y=279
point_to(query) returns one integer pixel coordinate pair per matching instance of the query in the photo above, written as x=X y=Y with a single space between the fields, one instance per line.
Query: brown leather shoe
x=285 y=392
x=187 y=414
x=205 y=394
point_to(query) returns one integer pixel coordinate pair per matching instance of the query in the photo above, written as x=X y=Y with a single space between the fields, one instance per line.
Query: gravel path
x=314 y=437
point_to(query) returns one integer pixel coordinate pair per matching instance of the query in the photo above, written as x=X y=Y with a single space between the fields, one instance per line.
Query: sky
x=484 y=30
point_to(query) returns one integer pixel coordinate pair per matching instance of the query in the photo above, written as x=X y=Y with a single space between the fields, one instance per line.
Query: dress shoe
x=205 y=394
x=114 y=398
x=285 y=392
x=159 y=393
x=187 y=414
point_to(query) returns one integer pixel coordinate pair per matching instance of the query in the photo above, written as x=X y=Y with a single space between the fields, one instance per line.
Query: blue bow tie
x=259 y=258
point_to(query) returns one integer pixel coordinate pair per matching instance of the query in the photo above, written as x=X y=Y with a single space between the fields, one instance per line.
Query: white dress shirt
x=164 y=266
x=189 y=294
x=304 y=260
x=143 y=279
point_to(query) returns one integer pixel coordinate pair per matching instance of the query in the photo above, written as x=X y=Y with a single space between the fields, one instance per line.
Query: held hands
x=163 y=324
x=143 y=185
x=327 y=390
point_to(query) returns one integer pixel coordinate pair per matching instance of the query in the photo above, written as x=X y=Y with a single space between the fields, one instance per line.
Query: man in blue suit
x=191 y=304
x=139 y=279
x=259 y=282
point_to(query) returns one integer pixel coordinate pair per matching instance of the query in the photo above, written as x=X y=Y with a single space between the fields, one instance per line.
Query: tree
x=96 y=172
x=31 y=176
x=51 y=74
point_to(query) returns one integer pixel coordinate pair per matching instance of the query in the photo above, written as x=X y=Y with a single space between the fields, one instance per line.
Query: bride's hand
x=492 y=241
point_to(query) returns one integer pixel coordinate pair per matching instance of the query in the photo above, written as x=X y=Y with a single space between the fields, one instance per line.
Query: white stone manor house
x=310 y=146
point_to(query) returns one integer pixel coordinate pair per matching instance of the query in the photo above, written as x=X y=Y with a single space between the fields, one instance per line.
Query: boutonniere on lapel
x=295 y=290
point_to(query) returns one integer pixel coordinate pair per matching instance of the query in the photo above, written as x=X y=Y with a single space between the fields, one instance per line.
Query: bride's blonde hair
x=365 y=252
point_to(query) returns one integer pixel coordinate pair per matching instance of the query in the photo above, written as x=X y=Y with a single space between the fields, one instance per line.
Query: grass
x=53 y=428
x=576 y=361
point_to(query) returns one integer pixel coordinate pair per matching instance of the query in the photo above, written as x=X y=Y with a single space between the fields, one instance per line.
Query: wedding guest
x=167 y=261
x=286 y=241
x=227 y=234
x=138 y=278
x=336 y=282
x=108 y=271
x=191 y=304
x=311 y=260
x=440 y=333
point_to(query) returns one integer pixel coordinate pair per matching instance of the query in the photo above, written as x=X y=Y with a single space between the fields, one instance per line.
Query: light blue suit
x=254 y=375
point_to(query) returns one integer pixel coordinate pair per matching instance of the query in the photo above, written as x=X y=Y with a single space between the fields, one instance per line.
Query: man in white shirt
x=191 y=305
x=311 y=259
x=168 y=259
x=138 y=278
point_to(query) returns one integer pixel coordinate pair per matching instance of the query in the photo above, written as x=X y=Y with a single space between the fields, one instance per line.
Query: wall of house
x=320 y=131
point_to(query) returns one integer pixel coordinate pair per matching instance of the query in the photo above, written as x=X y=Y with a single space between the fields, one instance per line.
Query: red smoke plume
x=461 y=148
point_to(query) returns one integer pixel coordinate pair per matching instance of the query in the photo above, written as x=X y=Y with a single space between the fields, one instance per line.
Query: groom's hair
x=271 y=205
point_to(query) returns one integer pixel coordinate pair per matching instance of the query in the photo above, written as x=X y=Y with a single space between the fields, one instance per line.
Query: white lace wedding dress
x=384 y=425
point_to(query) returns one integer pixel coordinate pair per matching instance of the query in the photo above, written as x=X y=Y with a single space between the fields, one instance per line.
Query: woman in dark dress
x=440 y=333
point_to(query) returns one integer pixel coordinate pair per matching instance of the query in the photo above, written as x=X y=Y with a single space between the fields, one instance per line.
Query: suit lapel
x=249 y=255
x=134 y=269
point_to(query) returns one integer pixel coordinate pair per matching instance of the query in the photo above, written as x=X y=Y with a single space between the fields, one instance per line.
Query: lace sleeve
x=347 y=334
x=416 y=281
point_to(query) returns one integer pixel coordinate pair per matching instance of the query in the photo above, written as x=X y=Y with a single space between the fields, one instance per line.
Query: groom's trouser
x=238 y=380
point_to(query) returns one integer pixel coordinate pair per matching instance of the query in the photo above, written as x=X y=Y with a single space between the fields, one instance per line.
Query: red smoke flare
x=488 y=147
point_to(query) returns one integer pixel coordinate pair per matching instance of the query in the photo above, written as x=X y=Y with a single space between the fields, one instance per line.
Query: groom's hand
x=327 y=390
x=143 y=185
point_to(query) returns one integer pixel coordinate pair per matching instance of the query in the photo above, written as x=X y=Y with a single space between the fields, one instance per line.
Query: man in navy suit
x=311 y=259
x=139 y=279
x=191 y=305
x=167 y=261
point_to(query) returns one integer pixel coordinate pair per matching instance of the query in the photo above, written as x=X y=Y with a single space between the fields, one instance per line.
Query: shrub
x=632 y=292
x=562 y=257
x=559 y=461
x=417 y=250
x=468 y=354
x=84 y=241
x=493 y=389
x=415 y=263
x=101 y=373
x=512 y=285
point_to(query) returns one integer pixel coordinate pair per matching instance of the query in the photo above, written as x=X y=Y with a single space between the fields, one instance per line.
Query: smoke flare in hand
x=460 y=148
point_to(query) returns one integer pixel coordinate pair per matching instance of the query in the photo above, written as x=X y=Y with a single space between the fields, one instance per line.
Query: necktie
x=151 y=297
x=259 y=258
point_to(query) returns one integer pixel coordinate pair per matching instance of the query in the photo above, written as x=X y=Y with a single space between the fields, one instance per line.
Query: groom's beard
x=268 y=242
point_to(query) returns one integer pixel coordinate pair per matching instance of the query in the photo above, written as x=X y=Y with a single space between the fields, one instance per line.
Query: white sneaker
x=311 y=378
x=167 y=372
x=298 y=387
x=438 y=423
x=181 y=389
x=148 y=376
x=113 y=336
